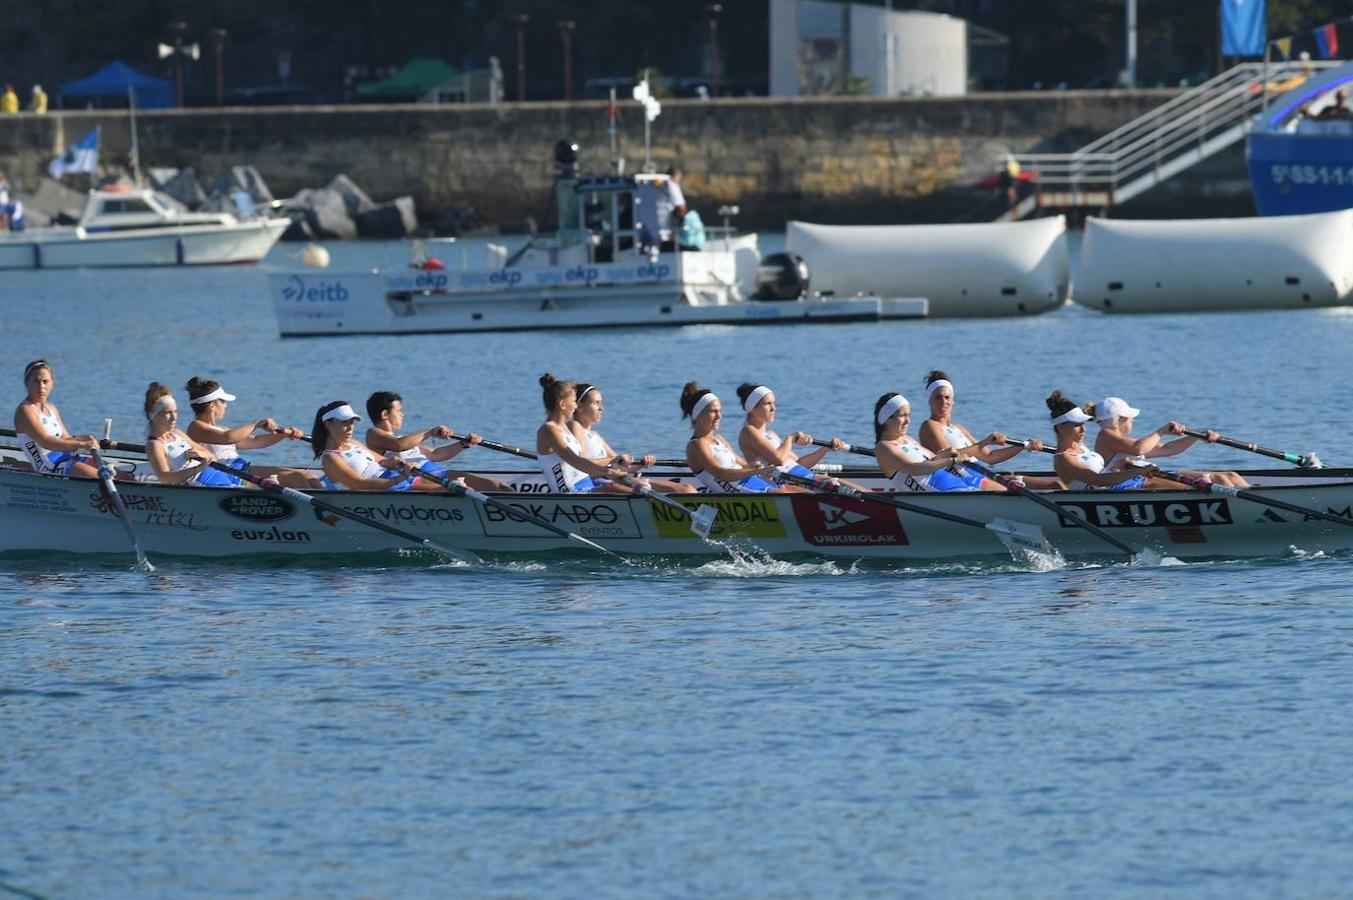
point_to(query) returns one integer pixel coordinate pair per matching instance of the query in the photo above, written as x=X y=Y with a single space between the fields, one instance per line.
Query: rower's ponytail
x=1058 y=404
x=936 y=375
x=744 y=391
x=154 y=392
x=690 y=393
x=1089 y=410
x=554 y=391
x=199 y=387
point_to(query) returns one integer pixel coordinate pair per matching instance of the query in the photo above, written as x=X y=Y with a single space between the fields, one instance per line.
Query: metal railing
x=1170 y=138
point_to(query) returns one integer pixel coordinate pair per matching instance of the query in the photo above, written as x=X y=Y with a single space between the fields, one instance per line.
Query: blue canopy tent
x=111 y=82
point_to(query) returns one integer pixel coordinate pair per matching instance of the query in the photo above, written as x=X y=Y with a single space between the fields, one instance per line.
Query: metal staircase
x=1176 y=135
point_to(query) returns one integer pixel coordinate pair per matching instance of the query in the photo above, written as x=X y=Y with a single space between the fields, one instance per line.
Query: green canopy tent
x=414 y=82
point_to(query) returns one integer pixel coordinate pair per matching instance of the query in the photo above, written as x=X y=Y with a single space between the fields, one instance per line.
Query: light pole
x=566 y=29
x=219 y=35
x=713 y=9
x=179 y=51
x=521 y=20
x=1130 y=70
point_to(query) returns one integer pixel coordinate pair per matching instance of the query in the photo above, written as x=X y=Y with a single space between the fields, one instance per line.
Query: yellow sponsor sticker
x=750 y=516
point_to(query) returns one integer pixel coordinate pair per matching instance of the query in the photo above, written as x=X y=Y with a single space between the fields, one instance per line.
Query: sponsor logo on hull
x=747 y=516
x=258 y=507
x=847 y=523
x=272 y=535
x=588 y=517
x=1149 y=513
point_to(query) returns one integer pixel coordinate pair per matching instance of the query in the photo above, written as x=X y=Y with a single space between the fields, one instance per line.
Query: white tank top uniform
x=561 y=477
x=723 y=455
x=939 y=480
x=791 y=464
x=955 y=436
x=1094 y=462
x=363 y=462
x=593 y=445
x=44 y=461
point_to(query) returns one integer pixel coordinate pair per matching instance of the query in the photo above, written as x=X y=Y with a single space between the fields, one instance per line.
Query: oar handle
x=494 y=445
x=1297 y=459
x=849 y=448
x=1012 y=442
x=1010 y=484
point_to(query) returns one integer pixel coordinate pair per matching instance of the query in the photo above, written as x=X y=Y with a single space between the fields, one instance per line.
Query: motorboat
x=1300 y=148
x=137 y=227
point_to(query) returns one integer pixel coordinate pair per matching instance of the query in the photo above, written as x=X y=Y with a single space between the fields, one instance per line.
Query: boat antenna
x=136 y=149
x=612 y=133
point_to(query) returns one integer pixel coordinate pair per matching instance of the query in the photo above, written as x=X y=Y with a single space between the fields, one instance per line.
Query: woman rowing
x=51 y=449
x=911 y=467
x=1079 y=467
x=716 y=467
x=940 y=431
x=350 y=465
x=386 y=410
x=566 y=468
x=1115 y=443
x=208 y=400
x=173 y=456
x=591 y=407
x=759 y=444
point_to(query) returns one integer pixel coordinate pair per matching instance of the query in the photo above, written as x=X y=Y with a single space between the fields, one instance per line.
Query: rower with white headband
x=591 y=406
x=912 y=467
x=566 y=468
x=173 y=455
x=350 y=465
x=1115 y=443
x=208 y=400
x=716 y=467
x=759 y=444
x=1079 y=467
x=51 y=449
x=940 y=431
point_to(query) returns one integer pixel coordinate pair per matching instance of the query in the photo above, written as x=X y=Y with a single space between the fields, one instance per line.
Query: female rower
x=208 y=400
x=1079 y=467
x=173 y=456
x=759 y=444
x=716 y=467
x=51 y=449
x=588 y=413
x=350 y=465
x=386 y=410
x=566 y=469
x=941 y=431
x=912 y=467
x=1116 y=443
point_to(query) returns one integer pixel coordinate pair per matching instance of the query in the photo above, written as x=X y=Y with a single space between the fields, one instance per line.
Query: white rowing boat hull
x=68 y=248
x=45 y=514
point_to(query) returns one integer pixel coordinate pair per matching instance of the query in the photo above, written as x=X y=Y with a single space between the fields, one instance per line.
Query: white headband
x=699 y=407
x=754 y=398
x=1075 y=415
x=167 y=402
x=342 y=413
x=217 y=394
x=590 y=389
x=935 y=386
x=887 y=410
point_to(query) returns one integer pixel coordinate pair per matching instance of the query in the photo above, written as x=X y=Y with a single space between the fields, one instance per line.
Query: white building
x=823 y=47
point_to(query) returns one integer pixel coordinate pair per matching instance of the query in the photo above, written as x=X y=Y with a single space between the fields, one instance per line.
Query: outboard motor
x=781 y=276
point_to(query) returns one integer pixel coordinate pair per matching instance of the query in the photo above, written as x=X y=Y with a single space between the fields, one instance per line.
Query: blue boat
x=1300 y=150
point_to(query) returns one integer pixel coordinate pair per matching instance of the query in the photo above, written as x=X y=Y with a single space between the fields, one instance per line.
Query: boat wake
x=750 y=561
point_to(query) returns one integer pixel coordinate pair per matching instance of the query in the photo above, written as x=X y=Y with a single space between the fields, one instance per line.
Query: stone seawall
x=860 y=160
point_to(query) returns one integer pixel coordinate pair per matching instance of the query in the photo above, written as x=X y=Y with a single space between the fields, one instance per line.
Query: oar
x=106 y=476
x=1011 y=533
x=1306 y=461
x=494 y=445
x=461 y=490
x=1211 y=487
x=702 y=519
x=849 y=448
x=347 y=514
x=1014 y=486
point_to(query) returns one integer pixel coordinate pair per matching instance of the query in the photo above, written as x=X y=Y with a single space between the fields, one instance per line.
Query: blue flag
x=1243 y=28
x=82 y=156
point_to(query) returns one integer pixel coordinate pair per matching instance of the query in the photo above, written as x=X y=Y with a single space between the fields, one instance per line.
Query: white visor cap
x=342 y=413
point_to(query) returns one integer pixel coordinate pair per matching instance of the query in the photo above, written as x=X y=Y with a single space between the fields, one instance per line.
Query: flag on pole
x=1284 y=46
x=81 y=156
x=1243 y=29
x=1327 y=39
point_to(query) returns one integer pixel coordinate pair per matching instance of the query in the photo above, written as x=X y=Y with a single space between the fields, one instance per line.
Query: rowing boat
x=43 y=513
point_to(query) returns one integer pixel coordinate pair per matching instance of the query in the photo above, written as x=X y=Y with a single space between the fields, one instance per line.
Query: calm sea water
x=744 y=726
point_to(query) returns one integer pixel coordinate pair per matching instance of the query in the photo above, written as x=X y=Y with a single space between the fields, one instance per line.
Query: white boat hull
x=67 y=248
x=50 y=514
x=314 y=303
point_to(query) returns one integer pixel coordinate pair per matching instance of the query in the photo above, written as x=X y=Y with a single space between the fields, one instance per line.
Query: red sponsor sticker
x=841 y=522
